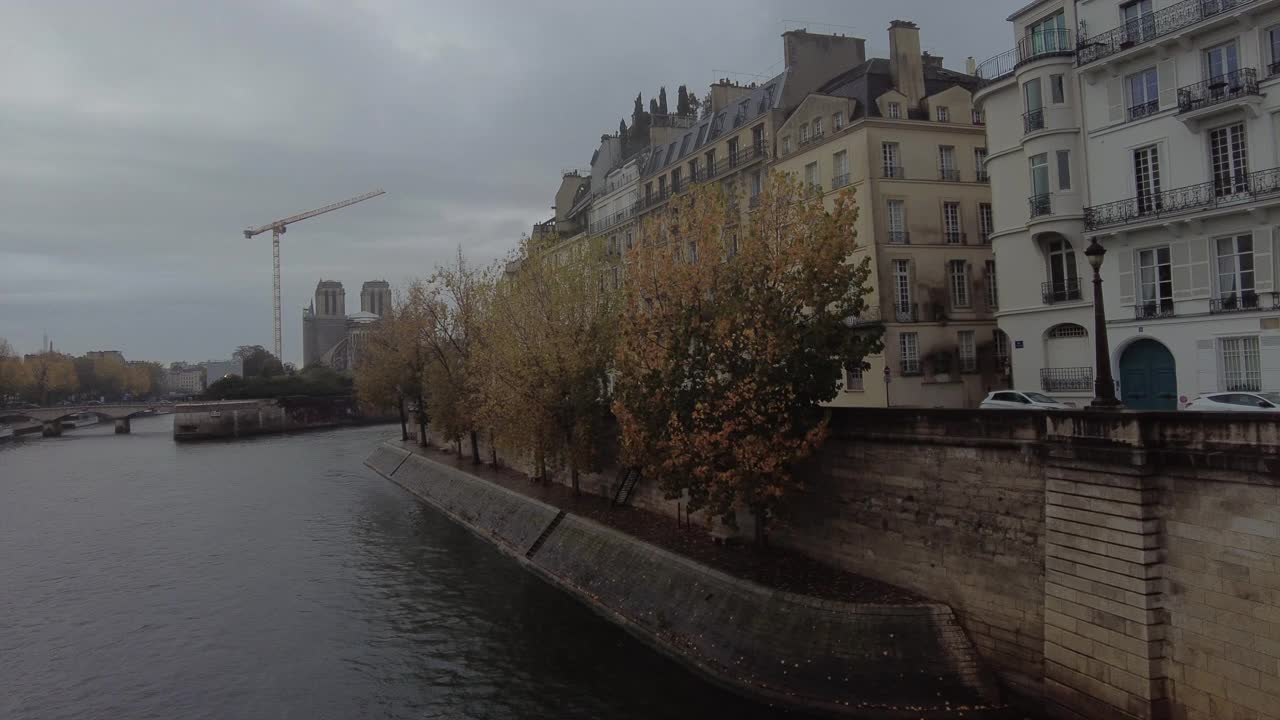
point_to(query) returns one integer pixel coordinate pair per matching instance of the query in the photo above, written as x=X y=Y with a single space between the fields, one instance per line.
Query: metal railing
x=893 y=171
x=949 y=174
x=1045 y=43
x=1072 y=379
x=1151 y=26
x=870 y=315
x=905 y=312
x=1058 y=291
x=1216 y=90
x=754 y=201
x=954 y=237
x=1244 y=302
x=1153 y=309
x=909 y=367
x=1273 y=68
x=899 y=237
x=1040 y=205
x=1242 y=188
x=983 y=176
x=1142 y=110
x=1033 y=120
x=607 y=223
x=840 y=181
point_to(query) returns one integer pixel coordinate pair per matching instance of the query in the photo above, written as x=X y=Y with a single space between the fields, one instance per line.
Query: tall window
x=993 y=292
x=1273 y=42
x=811 y=175
x=1049 y=34
x=1229 y=159
x=986 y=222
x=1155 y=281
x=902 y=286
x=980 y=162
x=1221 y=60
x=1001 y=349
x=1040 y=175
x=1057 y=90
x=837 y=121
x=1240 y=362
x=804 y=133
x=889 y=156
x=896 y=217
x=675 y=180
x=853 y=378
x=1144 y=93
x=1064 y=283
x=1031 y=93
x=1064 y=169
x=894 y=110
x=733 y=152
x=786 y=144
x=711 y=162
x=817 y=127
x=757 y=138
x=951 y=223
x=944 y=113
x=840 y=169
x=1138 y=21
x=968 y=350
x=909 y=353
x=1146 y=175
x=947 y=163
x=1235 y=268
x=757 y=184
x=958 y=279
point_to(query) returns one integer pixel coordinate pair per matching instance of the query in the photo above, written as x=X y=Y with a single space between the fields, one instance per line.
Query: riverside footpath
x=773 y=625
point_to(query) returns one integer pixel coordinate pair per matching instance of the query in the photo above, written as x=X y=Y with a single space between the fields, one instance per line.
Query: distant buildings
x=215 y=370
x=330 y=337
x=105 y=355
x=183 y=379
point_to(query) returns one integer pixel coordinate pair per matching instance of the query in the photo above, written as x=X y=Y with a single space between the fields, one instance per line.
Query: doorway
x=1148 y=377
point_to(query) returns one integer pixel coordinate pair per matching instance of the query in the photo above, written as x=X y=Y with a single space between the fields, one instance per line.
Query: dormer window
x=817 y=127
x=804 y=132
x=786 y=144
x=944 y=113
x=837 y=121
x=894 y=111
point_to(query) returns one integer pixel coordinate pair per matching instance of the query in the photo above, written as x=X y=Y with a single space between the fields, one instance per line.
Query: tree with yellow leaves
x=734 y=332
x=53 y=376
x=15 y=376
x=394 y=360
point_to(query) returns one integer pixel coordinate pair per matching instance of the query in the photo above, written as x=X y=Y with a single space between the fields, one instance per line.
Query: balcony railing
x=607 y=223
x=870 y=315
x=1153 y=309
x=754 y=201
x=905 y=312
x=893 y=171
x=983 y=176
x=1217 y=90
x=899 y=237
x=1045 y=43
x=840 y=181
x=949 y=174
x=1059 y=291
x=954 y=237
x=1151 y=26
x=1072 y=379
x=1141 y=110
x=909 y=367
x=1273 y=69
x=1040 y=205
x=1244 y=302
x=1222 y=192
x=1033 y=121
x=985 y=237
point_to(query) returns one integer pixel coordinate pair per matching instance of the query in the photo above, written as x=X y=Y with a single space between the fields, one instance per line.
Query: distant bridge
x=52 y=418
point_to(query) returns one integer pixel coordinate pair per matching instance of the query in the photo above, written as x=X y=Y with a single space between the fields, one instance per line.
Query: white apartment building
x=1157 y=137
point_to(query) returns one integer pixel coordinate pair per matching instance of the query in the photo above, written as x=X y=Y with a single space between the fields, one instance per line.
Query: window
x=902 y=286
x=1155 y=282
x=675 y=180
x=733 y=152
x=889 y=155
x=897 y=222
x=1067 y=330
x=1138 y=21
x=986 y=222
x=1064 y=169
x=817 y=128
x=840 y=169
x=1235 y=268
x=1031 y=95
x=1146 y=173
x=757 y=139
x=968 y=350
x=811 y=175
x=628 y=241
x=993 y=292
x=1064 y=284
x=1221 y=60
x=958 y=279
x=837 y=121
x=693 y=171
x=980 y=162
x=947 y=163
x=1001 y=350
x=1240 y=364
x=1144 y=93
x=853 y=378
x=757 y=184
x=662 y=186
x=1048 y=35
x=1040 y=175
x=894 y=110
x=1273 y=43
x=710 y=157
x=648 y=190
x=786 y=144
x=1057 y=90
x=909 y=353
x=804 y=133
x=944 y=113
x=951 y=223
x=1229 y=160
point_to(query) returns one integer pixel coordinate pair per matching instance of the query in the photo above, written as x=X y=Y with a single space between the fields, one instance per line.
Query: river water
x=279 y=578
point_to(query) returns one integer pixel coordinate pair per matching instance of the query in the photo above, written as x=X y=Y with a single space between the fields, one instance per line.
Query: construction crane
x=277 y=229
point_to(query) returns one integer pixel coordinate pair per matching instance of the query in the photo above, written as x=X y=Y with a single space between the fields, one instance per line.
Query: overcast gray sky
x=140 y=137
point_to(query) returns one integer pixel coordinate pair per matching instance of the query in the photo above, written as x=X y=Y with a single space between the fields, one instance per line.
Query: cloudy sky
x=138 y=138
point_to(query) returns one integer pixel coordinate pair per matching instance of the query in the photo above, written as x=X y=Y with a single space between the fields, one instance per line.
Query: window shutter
x=1126 y=278
x=1115 y=99
x=1207 y=375
x=1180 y=259
x=1269 y=348
x=1199 y=253
x=1263 y=278
x=1167 y=71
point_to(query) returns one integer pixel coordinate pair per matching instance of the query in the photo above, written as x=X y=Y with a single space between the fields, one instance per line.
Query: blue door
x=1148 y=380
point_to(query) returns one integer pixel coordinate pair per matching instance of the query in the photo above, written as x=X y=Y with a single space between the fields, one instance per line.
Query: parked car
x=1236 y=402
x=1019 y=400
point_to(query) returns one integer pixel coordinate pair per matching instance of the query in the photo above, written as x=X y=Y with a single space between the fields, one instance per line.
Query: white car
x=1018 y=400
x=1236 y=402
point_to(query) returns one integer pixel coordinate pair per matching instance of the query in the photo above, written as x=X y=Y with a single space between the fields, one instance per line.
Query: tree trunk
x=457 y=445
x=493 y=450
x=475 y=448
x=573 y=472
x=404 y=420
x=761 y=514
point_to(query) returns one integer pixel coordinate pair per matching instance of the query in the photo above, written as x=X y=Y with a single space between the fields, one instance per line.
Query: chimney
x=931 y=60
x=906 y=64
x=970 y=66
x=812 y=59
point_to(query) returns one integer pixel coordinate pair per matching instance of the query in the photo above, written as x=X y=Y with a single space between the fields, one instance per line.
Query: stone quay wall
x=243 y=418
x=859 y=660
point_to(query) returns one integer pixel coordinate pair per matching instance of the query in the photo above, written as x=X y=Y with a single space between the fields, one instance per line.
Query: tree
x=653 y=106
x=624 y=137
x=15 y=376
x=682 y=102
x=53 y=377
x=662 y=100
x=258 y=361
x=706 y=105
x=732 y=338
x=397 y=358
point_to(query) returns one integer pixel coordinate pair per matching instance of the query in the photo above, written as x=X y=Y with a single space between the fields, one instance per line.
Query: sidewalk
x=773 y=567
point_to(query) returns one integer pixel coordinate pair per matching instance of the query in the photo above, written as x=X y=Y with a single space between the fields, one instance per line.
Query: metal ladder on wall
x=628 y=478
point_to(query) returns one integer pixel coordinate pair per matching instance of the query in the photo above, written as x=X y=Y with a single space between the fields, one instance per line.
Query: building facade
x=183 y=379
x=330 y=337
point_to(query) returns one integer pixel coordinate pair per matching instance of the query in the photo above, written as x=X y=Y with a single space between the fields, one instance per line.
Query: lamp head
x=1094 y=254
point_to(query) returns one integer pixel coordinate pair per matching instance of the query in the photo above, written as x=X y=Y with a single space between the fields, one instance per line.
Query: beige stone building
x=902 y=135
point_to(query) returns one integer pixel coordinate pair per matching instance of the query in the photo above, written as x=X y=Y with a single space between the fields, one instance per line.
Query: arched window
x=1067 y=330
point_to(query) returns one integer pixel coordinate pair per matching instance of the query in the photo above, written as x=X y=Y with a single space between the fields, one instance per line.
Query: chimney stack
x=906 y=64
x=970 y=66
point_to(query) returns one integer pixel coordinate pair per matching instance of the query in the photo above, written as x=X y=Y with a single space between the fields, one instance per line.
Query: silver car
x=1236 y=402
x=1019 y=400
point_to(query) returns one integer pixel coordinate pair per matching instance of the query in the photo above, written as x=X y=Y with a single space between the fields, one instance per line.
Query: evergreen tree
x=682 y=101
x=653 y=106
x=624 y=137
x=662 y=100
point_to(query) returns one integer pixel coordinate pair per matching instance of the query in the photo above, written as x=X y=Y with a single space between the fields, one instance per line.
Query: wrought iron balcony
x=954 y=237
x=1072 y=379
x=978 y=117
x=607 y=223
x=1141 y=110
x=1059 y=291
x=905 y=312
x=1153 y=309
x=1040 y=205
x=754 y=201
x=983 y=176
x=840 y=181
x=1046 y=43
x=1151 y=26
x=893 y=171
x=1217 y=90
x=985 y=237
x=1033 y=121
x=1244 y=302
x=908 y=367
x=1273 y=69
x=1222 y=192
x=949 y=174
x=870 y=315
x=899 y=237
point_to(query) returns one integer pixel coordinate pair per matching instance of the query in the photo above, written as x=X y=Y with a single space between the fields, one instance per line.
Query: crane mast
x=277 y=229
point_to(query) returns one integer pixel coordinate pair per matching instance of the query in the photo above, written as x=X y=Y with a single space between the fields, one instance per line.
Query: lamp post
x=1104 y=388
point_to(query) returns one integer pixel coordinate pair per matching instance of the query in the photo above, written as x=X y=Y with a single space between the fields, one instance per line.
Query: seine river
x=279 y=578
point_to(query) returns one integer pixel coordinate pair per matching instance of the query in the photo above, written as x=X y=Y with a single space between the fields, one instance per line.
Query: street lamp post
x=1104 y=387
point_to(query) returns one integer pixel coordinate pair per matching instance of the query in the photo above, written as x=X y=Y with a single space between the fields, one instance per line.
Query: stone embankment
x=861 y=660
x=214 y=420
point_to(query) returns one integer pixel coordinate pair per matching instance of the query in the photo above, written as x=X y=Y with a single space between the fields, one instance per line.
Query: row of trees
x=708 y=368
x=50 y=377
